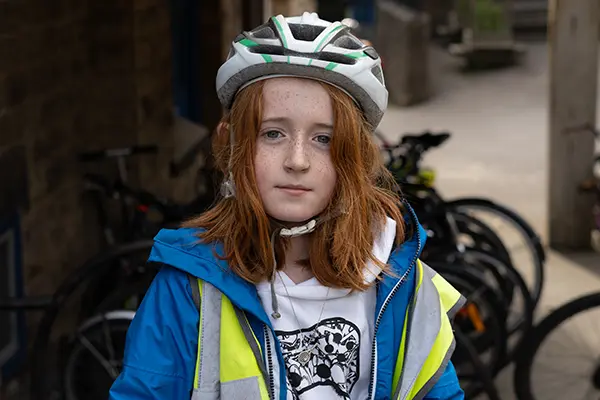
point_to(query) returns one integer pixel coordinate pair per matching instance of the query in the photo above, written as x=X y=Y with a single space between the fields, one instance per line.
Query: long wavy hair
x=341 y=246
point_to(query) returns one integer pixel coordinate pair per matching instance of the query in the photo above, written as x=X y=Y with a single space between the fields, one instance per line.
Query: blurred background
x=106 y=113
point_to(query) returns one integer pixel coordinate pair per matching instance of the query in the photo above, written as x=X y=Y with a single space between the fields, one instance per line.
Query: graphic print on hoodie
x=340 y=362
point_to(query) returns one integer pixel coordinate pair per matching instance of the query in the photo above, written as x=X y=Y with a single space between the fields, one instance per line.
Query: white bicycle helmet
x=306 y=47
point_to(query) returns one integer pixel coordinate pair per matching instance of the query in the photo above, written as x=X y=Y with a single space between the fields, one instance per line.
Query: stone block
x=403 y=43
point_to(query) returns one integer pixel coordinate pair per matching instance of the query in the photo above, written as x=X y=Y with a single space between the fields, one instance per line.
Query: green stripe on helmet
x=248 y=42
x=337 y=28
x=281 y=34
x=356 y=54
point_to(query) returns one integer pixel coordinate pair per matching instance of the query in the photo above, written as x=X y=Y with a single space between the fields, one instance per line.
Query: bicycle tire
x=496 y=341
x=524 y=363
x=41 y=381
x=525 y=324
x=84 y=376
x=532 y=239
x=483 y=237
x=120 y=298
x=486 y=377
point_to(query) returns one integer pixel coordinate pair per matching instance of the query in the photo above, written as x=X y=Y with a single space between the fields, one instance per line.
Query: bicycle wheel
x=45 y=382
x=519 y=319
x=476 y=235
x=485 y=379
x=574 y=375
x=530 y=261
x=128 y=296
x=481 y=319
x=95 y=356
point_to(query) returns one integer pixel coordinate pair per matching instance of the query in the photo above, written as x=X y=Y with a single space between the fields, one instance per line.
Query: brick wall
x=84 y=75
x=74 y=76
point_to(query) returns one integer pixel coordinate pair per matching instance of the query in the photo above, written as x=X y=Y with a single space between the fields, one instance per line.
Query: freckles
x=324 y=167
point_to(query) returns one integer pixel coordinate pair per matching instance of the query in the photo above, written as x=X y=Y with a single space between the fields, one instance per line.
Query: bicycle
x=455 y=221
x=555 y=325
x=472 y=256
x=577 y=349
x=53 y=376
x=142 y=215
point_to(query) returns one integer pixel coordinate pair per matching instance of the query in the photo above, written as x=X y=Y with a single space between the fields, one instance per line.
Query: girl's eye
x=323 y=139
x=272 y=134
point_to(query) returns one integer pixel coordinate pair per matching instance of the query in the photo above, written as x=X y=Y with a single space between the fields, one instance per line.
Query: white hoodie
x=341 y=341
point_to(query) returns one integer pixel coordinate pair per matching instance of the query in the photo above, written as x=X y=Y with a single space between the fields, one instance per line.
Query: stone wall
x=46 y=76
x=76 y=76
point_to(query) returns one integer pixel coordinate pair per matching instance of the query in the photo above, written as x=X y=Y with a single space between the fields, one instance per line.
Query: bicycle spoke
x=112 y=372
x=108 y=340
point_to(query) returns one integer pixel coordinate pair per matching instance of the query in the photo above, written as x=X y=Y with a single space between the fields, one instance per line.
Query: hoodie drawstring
x=274 y=302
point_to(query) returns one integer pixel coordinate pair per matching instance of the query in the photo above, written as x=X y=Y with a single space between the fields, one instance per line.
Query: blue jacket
x=160 y=354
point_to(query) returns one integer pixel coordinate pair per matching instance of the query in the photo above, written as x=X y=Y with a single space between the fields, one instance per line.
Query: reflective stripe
x=208 y=371
x=229 y=364
x=450 y=300
x=423 y=357
x=398 y=370
x=197 y=288
x=426 y=319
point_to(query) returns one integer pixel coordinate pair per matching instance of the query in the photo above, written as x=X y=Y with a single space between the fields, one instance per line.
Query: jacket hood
x=182 y=249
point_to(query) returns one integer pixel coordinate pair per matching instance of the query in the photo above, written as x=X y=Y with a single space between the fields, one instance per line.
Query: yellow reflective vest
x=230 y=363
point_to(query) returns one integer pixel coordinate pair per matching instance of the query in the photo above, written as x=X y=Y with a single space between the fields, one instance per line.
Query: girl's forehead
x=285 y=96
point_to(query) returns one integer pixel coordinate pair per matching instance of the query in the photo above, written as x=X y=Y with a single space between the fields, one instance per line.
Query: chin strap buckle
x=299 y=230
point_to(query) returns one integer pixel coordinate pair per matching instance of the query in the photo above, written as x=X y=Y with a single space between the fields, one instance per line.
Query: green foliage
x=484 y=16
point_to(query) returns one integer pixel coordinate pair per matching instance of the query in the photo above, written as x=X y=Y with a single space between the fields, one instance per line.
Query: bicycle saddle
x=427 y=139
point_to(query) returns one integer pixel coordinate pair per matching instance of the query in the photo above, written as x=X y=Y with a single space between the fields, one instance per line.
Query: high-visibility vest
x=230 y=364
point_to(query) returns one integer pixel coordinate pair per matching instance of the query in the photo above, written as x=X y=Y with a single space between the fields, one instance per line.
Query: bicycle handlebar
x=410 y=149
x=117 y=152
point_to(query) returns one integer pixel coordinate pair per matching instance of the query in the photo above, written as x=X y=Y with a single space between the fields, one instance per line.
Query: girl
x=303 y=282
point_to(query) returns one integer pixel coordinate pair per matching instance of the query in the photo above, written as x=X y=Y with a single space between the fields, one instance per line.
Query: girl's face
x=293 y=166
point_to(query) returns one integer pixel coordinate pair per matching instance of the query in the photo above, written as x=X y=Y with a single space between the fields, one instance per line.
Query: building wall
x=84 y=75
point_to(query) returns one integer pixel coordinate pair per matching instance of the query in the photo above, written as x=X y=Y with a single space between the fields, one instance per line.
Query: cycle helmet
x=308 y=47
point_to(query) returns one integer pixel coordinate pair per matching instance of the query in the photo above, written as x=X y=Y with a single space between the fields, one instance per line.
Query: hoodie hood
x=181 y=249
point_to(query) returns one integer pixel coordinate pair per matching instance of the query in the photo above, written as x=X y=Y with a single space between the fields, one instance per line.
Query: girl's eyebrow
x=285 y=120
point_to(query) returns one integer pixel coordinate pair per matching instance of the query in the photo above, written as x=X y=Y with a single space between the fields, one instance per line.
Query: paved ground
x=498 y=150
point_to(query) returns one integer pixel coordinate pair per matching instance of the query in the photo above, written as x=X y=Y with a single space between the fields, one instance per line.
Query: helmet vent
x=348 y=42
x=264 y=32
x=378 y=73
x=305 y=32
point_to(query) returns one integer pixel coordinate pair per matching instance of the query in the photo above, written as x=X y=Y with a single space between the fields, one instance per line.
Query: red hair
x=341 y=246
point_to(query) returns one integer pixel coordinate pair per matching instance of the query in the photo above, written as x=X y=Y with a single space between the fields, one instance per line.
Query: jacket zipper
x=385 y=304
x=270 y=363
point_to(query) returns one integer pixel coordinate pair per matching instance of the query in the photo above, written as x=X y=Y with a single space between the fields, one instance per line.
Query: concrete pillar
x=402 y=40
x=290 y=8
